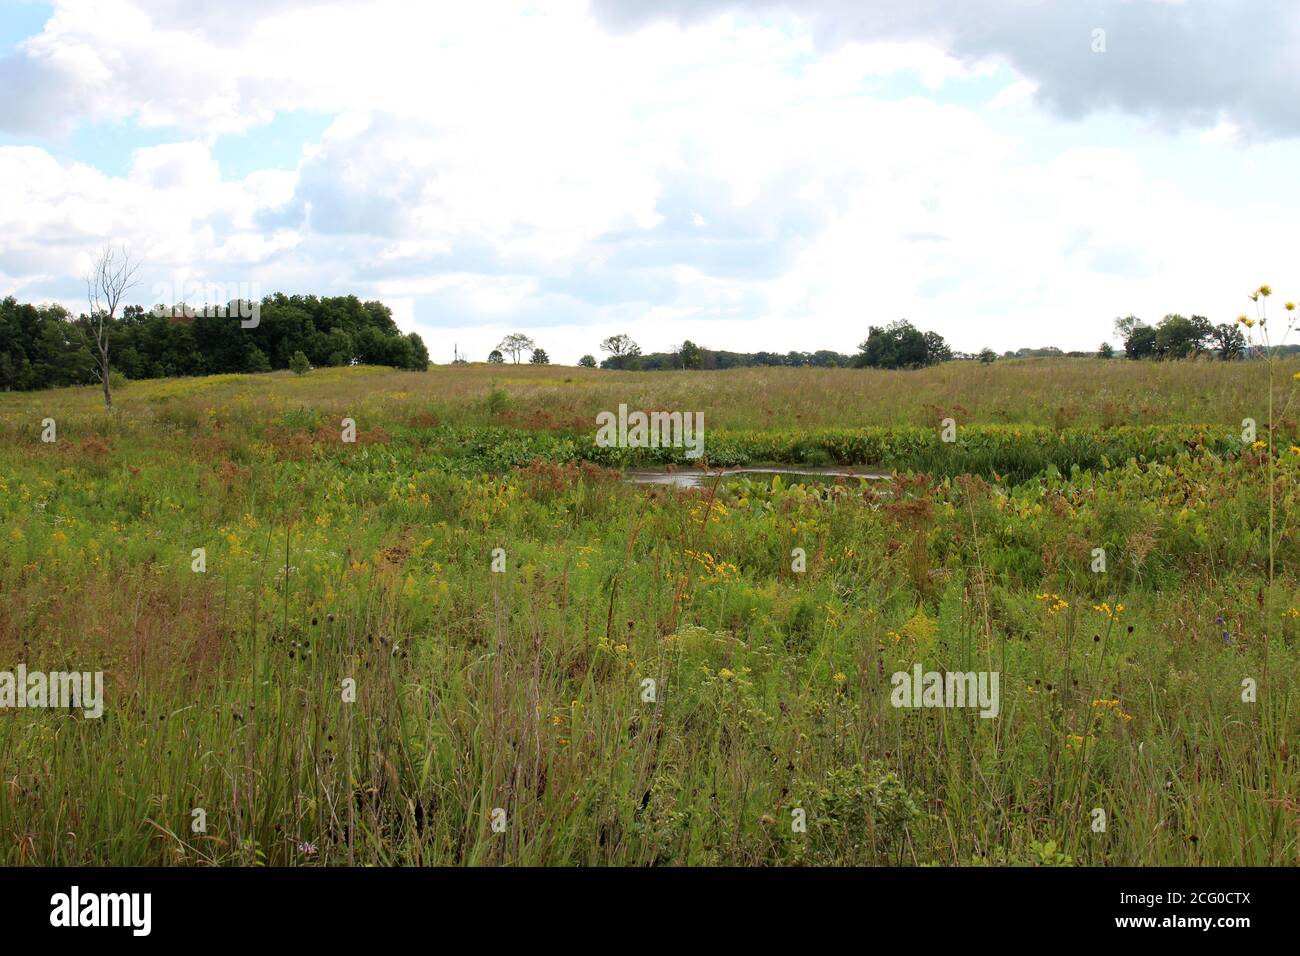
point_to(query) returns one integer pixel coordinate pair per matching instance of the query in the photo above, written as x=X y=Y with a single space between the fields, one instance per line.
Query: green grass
x=523 y=690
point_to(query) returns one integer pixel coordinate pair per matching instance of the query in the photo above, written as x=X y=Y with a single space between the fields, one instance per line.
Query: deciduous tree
x=112 y=275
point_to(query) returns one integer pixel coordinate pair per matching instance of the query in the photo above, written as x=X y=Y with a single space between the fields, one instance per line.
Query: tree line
x=898 y=345
x=902 y=345
x=44 y=346
x=1176 y=336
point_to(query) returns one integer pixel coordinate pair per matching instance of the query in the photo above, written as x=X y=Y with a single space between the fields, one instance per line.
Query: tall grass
x=524 y=690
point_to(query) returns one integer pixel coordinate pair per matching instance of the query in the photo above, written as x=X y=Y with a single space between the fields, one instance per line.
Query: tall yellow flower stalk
x=1260 y=298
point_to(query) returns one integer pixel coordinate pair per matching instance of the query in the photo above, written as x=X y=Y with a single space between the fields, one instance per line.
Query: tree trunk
x=103 y=376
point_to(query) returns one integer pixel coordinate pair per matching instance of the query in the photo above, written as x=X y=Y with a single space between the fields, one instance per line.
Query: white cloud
x=1184 y=63
x=175 y=166
x=738 y=181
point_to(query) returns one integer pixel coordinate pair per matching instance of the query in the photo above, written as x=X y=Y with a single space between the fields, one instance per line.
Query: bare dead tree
x=111 y=276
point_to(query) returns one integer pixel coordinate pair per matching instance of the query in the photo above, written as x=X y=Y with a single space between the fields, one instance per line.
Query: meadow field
x=464 y=639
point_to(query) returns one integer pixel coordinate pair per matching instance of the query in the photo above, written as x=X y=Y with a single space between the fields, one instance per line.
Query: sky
x=751 y=176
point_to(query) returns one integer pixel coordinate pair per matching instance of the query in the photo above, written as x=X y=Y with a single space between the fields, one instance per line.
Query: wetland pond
x=698 y=477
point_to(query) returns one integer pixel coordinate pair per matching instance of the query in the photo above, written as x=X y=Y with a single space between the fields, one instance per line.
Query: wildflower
x=840 y=676
x=1290 y=307
x=1259 y=444
x=1106 y=703
x=1265 y=291
x=1055 y=603
x=726 y=673
x=307 y=849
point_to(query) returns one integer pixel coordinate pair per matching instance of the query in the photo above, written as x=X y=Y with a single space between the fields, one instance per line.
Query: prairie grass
x=525 y=690
x=1055 y=392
